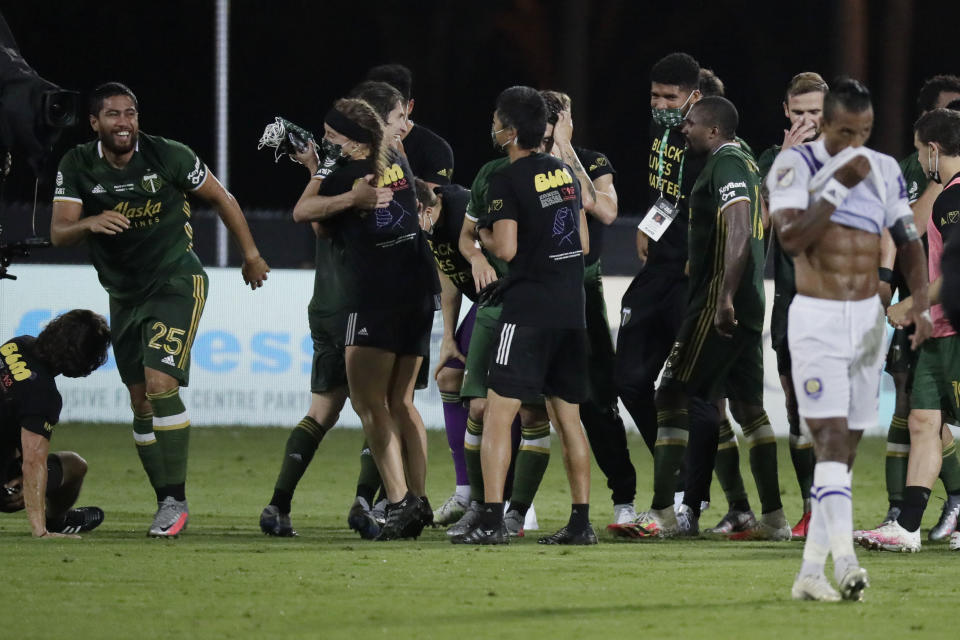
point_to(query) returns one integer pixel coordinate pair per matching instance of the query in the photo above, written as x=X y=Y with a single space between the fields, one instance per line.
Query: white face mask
x=934 y=172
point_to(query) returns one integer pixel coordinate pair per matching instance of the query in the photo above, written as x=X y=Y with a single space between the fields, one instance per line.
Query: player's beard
x=110 y=142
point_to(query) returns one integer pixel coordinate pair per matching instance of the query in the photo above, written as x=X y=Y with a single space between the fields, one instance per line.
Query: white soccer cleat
x=624 y=513
x=530 y=521
x=170 y=520
x=450 y=511
x=808 y=587
x=891 y=537
x=688 y=525
x=852 y=584
x=955 y=541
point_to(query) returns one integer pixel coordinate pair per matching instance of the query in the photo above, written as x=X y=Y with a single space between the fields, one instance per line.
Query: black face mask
x=330 y=150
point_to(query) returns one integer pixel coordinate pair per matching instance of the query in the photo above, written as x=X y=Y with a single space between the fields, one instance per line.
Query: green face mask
x=671 y=117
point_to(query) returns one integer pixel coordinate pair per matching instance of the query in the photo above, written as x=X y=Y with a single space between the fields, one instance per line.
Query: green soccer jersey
x=333 y=283
x=914 y=175
x=477 y=208
x=729 y=176
x=151 y=191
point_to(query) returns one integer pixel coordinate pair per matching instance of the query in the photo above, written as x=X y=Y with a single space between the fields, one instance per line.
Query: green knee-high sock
x=369 y=480
x=673 y=431
x=471 y=452
x=898 y=451
x=149 y=451
x=763 y=461
x=728 y=469
x=301 y=445
x=950 y=469
x=803 y=458
x=533 y=456
x=171 y=424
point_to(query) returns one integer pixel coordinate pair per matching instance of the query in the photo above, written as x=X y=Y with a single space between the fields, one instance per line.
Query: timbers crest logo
x=151 y=182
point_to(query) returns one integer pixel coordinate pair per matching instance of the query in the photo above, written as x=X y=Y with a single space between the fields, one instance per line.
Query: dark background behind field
x=293 y=58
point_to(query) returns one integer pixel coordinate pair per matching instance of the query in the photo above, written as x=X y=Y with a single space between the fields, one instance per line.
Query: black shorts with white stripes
x=532 y=361
x=404 y=331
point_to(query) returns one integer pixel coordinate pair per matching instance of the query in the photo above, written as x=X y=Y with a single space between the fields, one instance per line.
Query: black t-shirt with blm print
x=430 y=156
x=444 y=239
x=540 y=193
x=597 y=165
x=28 y=394
x=385 y=249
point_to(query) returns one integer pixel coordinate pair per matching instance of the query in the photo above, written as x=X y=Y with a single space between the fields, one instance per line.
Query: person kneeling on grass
x=46 y=484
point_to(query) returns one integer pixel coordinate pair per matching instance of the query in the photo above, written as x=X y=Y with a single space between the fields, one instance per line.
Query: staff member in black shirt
x=46 y=484
x=396 y=289
x=535 y=222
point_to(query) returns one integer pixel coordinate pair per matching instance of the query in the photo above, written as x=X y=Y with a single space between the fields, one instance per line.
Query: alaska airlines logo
x=18 y=368
x=391 y=175
x=149 y=209
x=552 y=180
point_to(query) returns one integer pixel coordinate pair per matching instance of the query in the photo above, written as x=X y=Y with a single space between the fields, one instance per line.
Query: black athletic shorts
x=404 y=331
x=529 y=362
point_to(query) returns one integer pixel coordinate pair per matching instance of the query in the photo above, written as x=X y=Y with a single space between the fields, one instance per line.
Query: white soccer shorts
x=837 y=348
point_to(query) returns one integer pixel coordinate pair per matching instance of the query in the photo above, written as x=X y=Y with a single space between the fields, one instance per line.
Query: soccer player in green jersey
x=125 y=194
x=936 y=93
x=718 y=347
x=803 y=107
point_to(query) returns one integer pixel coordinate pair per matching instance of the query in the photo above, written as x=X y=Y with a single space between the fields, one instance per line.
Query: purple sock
x=455 y=421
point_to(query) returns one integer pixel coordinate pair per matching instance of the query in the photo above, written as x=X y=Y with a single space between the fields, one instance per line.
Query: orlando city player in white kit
x=830 y=200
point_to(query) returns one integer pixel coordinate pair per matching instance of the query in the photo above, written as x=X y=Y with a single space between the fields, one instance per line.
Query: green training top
x=477 y=207
x=151 y=191
x=729 y=176
x=914 y=175
x=784 y=275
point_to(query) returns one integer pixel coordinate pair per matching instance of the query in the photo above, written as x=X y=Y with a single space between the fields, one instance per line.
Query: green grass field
x=224 y=579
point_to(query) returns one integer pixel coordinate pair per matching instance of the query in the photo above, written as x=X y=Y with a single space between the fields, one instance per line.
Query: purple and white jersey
x=800 y=174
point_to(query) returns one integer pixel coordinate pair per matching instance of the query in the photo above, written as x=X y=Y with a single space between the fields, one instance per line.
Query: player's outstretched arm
x=605 y=207
x=316 y=208
x=67 y=228
x=254 y=267
x=562 y=134
x=797 y=229
x=736 y=218
x=35 y=450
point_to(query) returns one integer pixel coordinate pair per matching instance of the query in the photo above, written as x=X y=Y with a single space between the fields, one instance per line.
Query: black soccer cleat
x=426 y=512
x=566 y=536
x=79 y=520
x=484 y=536
x=274 y=523
x=403 y=519
x=362 y=521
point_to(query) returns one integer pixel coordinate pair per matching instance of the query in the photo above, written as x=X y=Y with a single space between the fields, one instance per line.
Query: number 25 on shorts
x=169 y=337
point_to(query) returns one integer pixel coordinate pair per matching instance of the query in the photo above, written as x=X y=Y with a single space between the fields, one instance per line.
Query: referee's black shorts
x=530 y=362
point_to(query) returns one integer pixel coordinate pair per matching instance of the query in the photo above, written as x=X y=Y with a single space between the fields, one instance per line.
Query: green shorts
x=159 y=332
x=707 y=365
x=936 y=377
x=328 y=371
x=486 y=334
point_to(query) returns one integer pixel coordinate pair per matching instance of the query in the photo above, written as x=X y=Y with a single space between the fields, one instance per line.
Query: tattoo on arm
x=570 y=157
x=904 y=231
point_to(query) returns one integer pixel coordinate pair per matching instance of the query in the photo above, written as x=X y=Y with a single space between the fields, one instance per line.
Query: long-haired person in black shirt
x=369 y=205
x=535 y=222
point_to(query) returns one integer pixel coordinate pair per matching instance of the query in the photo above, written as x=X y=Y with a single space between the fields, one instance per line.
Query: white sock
x=463 y=492
x=836 y=504
x=817 y=545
